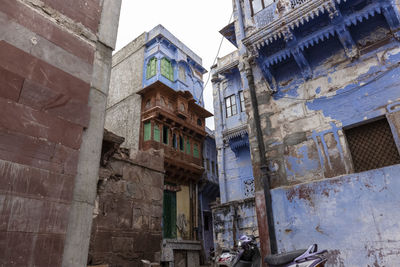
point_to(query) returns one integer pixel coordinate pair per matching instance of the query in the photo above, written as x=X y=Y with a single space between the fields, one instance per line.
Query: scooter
x=310 y=257
x=226 y=258
x=248 y=254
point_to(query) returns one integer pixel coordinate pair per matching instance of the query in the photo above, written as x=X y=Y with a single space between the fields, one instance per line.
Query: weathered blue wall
x=318 y=71
x=356 y=217
x=234 y=161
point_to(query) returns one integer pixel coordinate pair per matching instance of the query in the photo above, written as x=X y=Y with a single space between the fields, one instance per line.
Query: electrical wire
x=215 y=60
x=342 y=93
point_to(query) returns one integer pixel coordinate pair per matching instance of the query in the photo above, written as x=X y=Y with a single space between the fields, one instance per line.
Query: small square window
x=372 y=146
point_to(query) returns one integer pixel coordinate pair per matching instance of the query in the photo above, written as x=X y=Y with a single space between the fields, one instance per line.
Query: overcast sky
x=195 y=23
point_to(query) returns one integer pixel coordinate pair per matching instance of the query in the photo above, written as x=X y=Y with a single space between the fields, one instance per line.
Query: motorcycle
x=248 y=254
x=310 y=257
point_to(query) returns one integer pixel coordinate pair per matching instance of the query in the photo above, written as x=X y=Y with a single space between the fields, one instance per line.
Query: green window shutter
x=156 y=136
x=151 y=68
x=166 y=69
x=187 y=146
x=147 y=131
x=196 y=151
x=169 y=215
x=171 y=72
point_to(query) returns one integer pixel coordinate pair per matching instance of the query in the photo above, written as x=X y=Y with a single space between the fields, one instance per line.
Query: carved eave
x=282 y=29
x=229 y=33
x=237 y=138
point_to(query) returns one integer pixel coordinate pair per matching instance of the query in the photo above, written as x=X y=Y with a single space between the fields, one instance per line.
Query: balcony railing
x=296 y=3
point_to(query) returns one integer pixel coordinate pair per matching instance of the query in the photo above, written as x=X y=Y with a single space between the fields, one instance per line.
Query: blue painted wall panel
x=355 y=217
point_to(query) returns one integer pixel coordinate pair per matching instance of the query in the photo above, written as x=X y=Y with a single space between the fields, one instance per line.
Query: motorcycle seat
x=283 y=258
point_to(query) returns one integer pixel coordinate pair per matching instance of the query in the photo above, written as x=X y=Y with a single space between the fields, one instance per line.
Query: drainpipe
x=265 y=178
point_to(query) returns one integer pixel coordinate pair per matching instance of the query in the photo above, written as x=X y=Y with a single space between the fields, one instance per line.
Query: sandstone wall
x=55 y=60
x=127 y=220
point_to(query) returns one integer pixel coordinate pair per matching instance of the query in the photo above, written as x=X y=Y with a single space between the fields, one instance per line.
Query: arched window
x=166 y=69
x=151 y=68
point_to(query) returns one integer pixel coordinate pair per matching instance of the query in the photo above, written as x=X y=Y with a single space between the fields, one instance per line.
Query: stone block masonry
x=127 y=221
x=55 y=62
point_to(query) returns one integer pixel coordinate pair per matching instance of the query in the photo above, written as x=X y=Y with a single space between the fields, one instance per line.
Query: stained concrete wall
x=127 y=220
x=55 y=65
x=123 y=104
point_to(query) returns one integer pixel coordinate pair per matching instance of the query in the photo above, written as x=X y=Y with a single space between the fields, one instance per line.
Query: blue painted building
x=186 y=73
x=236 y=213
x=322 y=96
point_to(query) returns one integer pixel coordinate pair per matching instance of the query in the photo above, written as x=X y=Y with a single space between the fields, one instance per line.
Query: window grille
x=372 y=146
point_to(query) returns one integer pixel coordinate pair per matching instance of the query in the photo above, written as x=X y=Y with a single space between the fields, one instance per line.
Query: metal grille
x=372 y=146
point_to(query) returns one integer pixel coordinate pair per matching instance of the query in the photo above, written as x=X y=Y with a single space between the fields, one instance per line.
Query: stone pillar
x=80 y=220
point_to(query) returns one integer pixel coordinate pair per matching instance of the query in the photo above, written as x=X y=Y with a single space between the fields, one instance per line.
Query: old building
x=156 y=103
x=127 y=219
x=322 y=99
x=236 y=213
x=55 y=63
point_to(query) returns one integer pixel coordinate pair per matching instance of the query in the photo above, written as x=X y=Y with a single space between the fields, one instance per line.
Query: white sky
x=195 y=23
